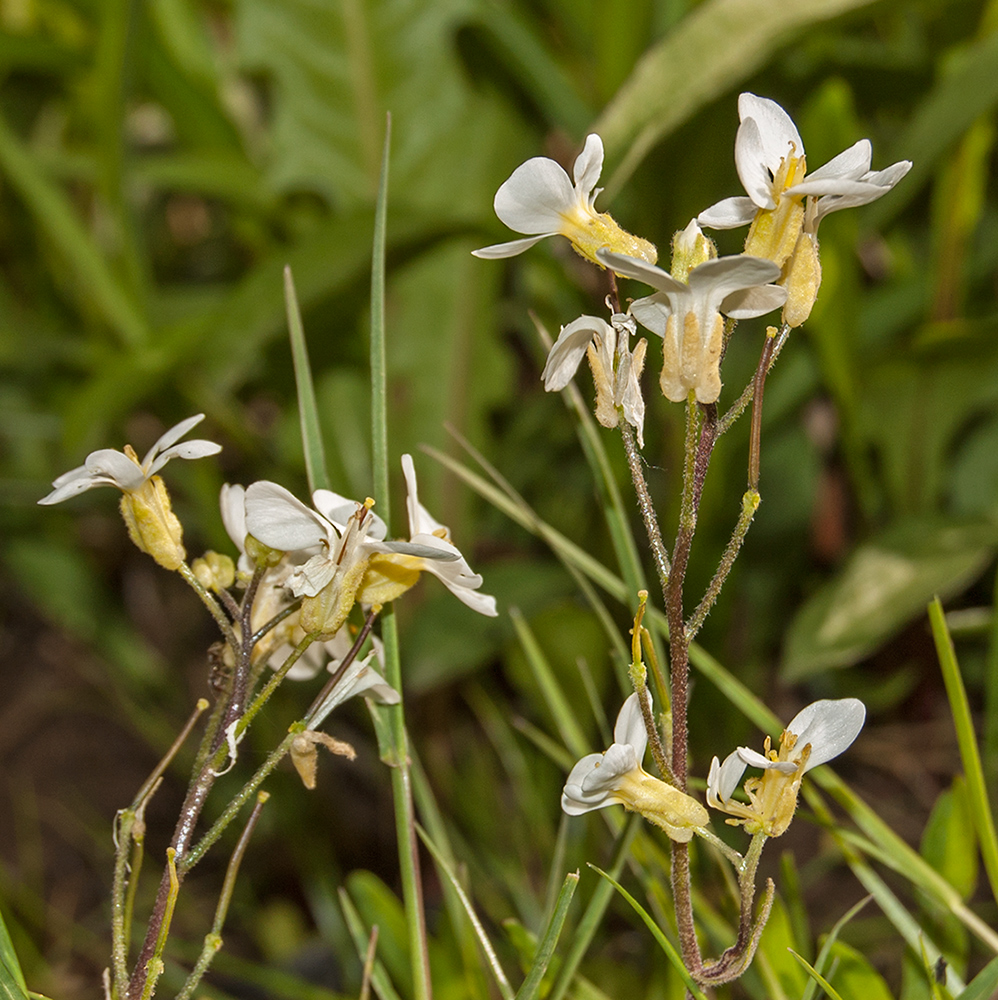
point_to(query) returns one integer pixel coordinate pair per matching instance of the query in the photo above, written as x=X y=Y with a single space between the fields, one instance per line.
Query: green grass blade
x=308 y=410
x=554 y=697
x=583 y=933
x=360 y=934
x=826 y=948
x=984 y=985
x=483 y=939
x=672 y=80
x=977 y=796
x=531 y=985
x=816 y=977
x=12 y=985
x=666 y=945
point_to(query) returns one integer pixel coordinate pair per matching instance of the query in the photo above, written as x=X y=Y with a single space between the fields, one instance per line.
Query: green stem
x=212 y=605
x=646 y=505
x=741 y=404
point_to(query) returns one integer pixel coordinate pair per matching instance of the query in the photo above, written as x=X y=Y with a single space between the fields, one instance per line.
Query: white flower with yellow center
x=430 y=550
x=145 y=503
x=687 y=316
x=540 y=198
x=616 y=368
x=816 y=734
x=616 y=777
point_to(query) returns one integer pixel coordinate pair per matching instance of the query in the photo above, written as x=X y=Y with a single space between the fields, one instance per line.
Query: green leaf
x=949 y=843
x=819 y=979
x=884 y=585
x=714 y=48
x=12 y=985
x=824 y=956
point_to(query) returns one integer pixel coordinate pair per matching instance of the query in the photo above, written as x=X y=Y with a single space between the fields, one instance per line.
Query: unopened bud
x=214 y=571
x=690 y=248
x=262 y=555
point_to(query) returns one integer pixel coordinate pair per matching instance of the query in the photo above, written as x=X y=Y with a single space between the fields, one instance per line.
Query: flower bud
x=690 y=248
x=214 y=571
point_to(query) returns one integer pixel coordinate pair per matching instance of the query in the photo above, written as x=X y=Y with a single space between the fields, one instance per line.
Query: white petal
x=279 y=519
x=776 y=128
x=311 y=577
x=198 y=448
x=755 y=759
x=755 y=301
x=574 y=800
x=630 y=726
x=829 y=726
x=632 y=267
x=588 y=167
x=835 y=186
x=457 y=576
x=617 y=761
x=714 y=280
x=69 y=484
x=631 y=398
x=371 y=684
x=728 y=775
x=511 y=249
x=729 y=213
x=652 y=312
x=875 y=185
x=171 y=436
x=421 y=522
x=117 y=467
x=535 y=196
x=754 y=169
x=569 y=349
x=232 y=502
x=851 y=163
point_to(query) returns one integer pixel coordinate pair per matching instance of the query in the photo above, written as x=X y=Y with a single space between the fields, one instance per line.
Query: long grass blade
x=12 y=985
x=308 y=410
x=361 y=936
x=966 y=738
x=666 y=945
x=483 y=939
x=532 y=984
x=826 y=948
x=816 y=977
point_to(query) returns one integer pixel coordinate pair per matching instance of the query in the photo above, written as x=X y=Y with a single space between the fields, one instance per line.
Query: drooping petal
x=716 y=279
x=511 y=249
x=232 y=502
x=632 y=267
x=830 y=726
x=619 y=760
x=534 y=197
x=575 y=800
x=279 y=519
x=569 y=349
x=652 y=312
x=875 y=185
x=728 y=213
x=457 y=576
x=69 y=484
x=723 y=778
x=755 y=301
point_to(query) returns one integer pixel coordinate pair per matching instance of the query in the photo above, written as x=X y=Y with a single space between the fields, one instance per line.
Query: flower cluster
x=779 y=267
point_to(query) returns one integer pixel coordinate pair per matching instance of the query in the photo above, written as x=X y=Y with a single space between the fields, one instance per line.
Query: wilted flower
x=616 y=368
x=816 y=734
x=429 y=550
x=145 y=504
x=688 y=315
x=769 y=157
x=539 y=197
x=617 y=777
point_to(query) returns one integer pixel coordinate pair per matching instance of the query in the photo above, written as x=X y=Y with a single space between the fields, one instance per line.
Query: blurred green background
x=160 y=163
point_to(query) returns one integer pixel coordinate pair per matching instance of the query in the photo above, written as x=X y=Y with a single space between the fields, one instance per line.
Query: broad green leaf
x=948 y=840
x=884 y=585
x=713 y=49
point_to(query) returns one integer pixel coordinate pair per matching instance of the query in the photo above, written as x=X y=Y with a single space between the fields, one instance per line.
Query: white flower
x=769 y=157
x=429 y=550
x=616 y=777
x=108 y=467
x=688 y=316
x=616 y=368
x=360 y=678
x=819 y=732
x=336 y=533
x=539 y=198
